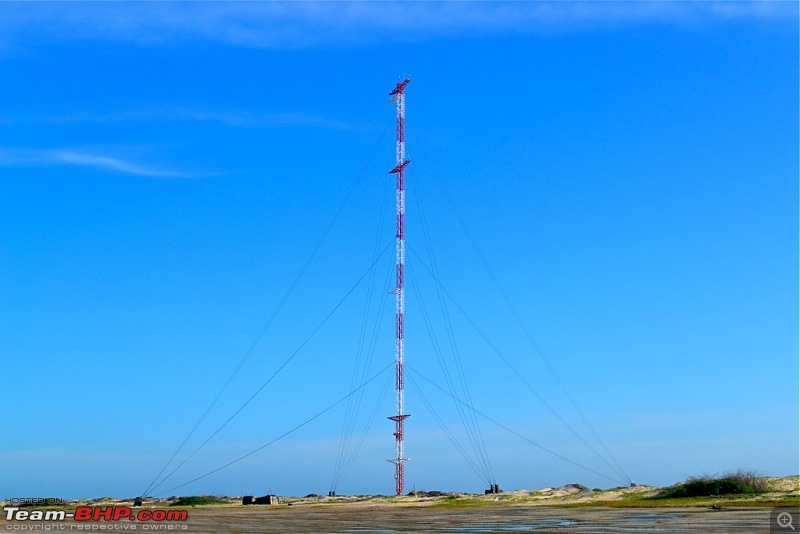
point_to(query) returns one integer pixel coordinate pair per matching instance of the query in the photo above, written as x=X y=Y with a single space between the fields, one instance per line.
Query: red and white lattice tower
x=398 y=97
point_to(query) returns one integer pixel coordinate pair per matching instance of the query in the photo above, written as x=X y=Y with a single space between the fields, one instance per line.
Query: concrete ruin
x=266 y=499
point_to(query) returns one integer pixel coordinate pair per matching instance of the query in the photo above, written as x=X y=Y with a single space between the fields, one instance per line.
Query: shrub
x=196 y=501
x=730 y=483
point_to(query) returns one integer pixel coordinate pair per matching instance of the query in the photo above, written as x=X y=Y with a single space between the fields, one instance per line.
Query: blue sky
x=629 y=170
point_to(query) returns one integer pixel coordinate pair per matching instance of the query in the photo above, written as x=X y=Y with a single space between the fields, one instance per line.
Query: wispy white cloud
x=113 y=164
x=313 y=24
x=225 y=117
x=36 y=157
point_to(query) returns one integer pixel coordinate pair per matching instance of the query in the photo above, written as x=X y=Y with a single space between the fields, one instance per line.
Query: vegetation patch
x=198 y=501
x=732 y=483
x=452 y=501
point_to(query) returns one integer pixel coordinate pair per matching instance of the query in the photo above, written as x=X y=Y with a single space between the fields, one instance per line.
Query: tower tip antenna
x=401 y=86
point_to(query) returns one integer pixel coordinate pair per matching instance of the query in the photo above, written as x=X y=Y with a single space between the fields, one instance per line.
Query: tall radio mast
x=399 y=98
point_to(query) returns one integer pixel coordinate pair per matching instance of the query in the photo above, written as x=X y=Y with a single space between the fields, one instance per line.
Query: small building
x=266 y=499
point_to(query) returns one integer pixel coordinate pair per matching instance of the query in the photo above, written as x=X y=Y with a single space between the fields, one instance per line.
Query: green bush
x=196 y=501
x=731 y=483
